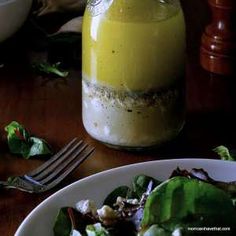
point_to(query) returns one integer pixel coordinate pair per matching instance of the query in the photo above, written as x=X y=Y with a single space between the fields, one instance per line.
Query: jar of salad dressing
x=133 y=71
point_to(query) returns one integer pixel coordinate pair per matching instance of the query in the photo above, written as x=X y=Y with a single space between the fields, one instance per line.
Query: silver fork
x=53 y=171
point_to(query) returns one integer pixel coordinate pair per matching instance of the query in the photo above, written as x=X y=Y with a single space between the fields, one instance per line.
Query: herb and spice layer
x=130 y=119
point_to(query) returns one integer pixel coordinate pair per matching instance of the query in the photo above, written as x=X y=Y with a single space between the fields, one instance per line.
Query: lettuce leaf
x=186 y=203
x=21 y=142
x=225 y=153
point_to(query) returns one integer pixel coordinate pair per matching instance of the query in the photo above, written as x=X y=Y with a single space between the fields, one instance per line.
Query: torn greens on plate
x=152 y=208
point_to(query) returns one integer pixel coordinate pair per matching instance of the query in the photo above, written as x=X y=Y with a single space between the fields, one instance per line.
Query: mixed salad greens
x=188 y=199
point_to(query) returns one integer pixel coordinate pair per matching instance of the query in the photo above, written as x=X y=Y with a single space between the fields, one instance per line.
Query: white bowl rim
x=186 y=160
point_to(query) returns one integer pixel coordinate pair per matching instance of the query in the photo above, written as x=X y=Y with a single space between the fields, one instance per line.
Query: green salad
x=188 y=203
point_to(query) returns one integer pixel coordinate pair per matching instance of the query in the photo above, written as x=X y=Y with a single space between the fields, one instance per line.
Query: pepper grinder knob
x=218 y=47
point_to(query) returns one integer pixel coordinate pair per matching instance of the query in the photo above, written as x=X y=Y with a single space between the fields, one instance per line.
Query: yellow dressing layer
x=139 y=10
x=133 y=50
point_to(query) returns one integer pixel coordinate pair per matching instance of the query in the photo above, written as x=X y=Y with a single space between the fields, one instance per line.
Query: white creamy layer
x=116 y=122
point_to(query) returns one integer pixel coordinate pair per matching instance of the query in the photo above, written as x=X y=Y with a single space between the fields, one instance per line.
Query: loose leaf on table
x=50 y=69
x=20 y=142
x=38 y=147
x=18 y=138
x=225 y=153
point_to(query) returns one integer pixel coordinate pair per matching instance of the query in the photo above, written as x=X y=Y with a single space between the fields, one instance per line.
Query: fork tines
x=61 y=164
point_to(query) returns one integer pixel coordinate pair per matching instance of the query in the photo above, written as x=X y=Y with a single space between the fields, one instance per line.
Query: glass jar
x=133 y=63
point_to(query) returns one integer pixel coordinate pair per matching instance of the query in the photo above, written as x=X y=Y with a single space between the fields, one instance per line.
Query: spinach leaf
x=38 y=147
x=121 y=191
x=70 y=222
x=139 y=187
x=20 y=142
x=49 y=69
x=63 y=225
x=18 y=138
x=141 y=182
x=188 y=202
x=201 y=174
x=229 y=188
x=225 y=153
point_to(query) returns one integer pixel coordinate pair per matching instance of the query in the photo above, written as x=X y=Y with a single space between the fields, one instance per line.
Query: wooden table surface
x=51 y=109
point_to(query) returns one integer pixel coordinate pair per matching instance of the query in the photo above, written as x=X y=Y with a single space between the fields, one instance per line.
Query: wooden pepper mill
x=218 y=49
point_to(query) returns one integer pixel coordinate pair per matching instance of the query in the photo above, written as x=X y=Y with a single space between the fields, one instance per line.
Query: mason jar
x=133 y=66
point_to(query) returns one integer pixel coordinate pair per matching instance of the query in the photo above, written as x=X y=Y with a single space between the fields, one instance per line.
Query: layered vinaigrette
x=133 y=69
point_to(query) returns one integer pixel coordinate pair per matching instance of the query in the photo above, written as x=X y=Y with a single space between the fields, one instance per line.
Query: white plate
x=40 y=221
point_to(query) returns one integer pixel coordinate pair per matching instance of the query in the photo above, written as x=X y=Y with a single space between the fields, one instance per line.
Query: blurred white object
x=13 y=14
